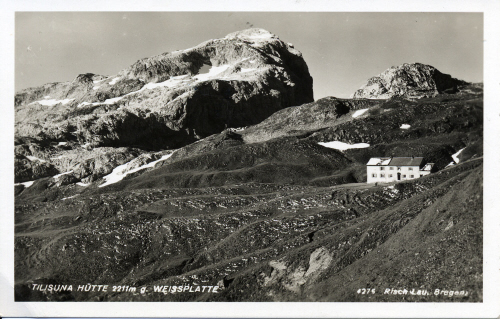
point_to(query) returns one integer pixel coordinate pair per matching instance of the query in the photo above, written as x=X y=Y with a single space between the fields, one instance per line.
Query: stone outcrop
x=316 y=115
x=411 y=81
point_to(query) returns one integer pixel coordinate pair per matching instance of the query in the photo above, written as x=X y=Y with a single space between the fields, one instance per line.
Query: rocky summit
x=171 y=99
x=162 y=102
x=415 y=80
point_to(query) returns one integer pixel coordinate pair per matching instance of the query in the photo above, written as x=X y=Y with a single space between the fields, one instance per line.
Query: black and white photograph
x=227 y=157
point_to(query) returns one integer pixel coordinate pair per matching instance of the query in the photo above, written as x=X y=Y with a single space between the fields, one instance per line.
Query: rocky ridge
x=162 y=102
x=289 y=147
x=409 y=80
x=171 y=99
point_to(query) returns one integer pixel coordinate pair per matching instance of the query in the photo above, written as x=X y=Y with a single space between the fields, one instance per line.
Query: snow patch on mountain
x=113 y=100
x=341 y=146
x=252 y=35
x=244 y=70
x=172 y=82
x=359 y=113
x=183 y=95
x=214 y=70
x=59 y=175
x=53 y=102
x=82 y=184
x=84 y=104
x=33 y=158
x=261 y=36
x=121 y=171
x=26 y=184
x=255 y=37
x=455 y=156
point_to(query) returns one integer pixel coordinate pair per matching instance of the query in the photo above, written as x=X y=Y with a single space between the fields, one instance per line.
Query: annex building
x=390 y=169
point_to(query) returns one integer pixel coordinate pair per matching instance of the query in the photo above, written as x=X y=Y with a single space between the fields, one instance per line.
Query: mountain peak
x=253 y=34
x=234 y=81
x=409 y=80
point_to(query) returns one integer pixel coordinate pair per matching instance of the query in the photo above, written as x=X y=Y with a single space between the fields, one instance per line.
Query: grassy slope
x=121 y=238
x=281 y=161
x=429 y=241
x=438 y=249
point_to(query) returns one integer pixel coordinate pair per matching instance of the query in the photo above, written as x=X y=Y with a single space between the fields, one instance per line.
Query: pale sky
x=342 y=50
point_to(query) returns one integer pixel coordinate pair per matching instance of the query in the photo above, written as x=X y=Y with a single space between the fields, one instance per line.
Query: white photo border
x=489 y=308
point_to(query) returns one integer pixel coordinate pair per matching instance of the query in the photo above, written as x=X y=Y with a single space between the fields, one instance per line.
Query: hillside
x=261 y=242
x=277 y=210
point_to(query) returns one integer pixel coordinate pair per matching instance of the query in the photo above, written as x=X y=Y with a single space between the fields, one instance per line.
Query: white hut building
x=390 y=169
